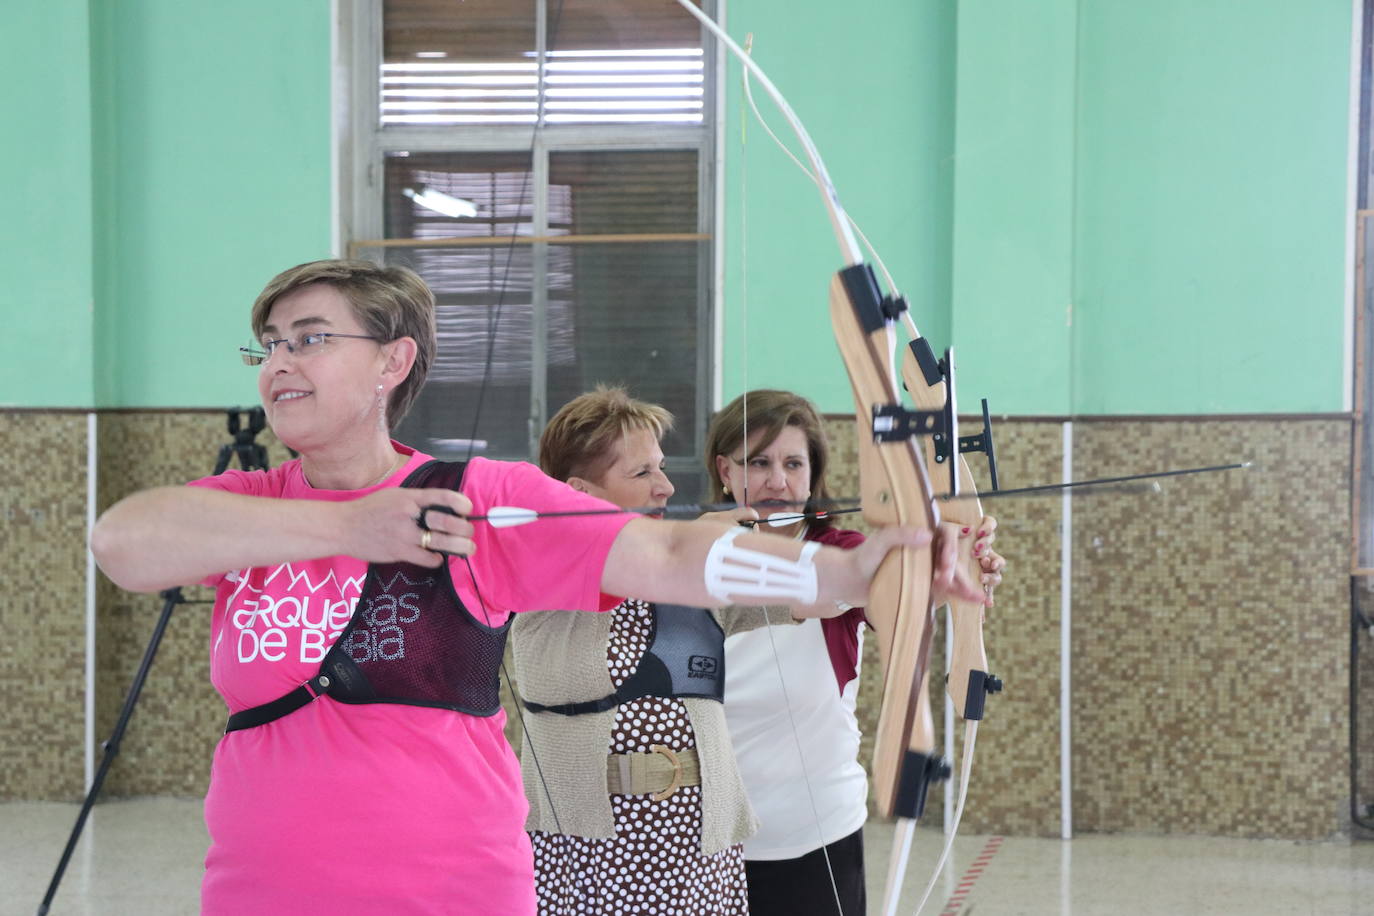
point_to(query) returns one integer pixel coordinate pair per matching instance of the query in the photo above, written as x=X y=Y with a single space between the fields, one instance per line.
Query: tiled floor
x=1149 y=876
x=135 y=857
x=144 y=857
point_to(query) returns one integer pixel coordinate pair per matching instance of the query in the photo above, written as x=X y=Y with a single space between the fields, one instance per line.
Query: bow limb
x=895 y=490
x=841 y=226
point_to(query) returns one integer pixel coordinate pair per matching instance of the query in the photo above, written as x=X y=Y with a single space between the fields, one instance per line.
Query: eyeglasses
x=304 y=346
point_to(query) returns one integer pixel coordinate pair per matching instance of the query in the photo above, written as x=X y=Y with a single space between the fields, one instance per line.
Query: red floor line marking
x=971 y=876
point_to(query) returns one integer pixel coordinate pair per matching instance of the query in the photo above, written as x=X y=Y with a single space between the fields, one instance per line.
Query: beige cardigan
x=560 y=657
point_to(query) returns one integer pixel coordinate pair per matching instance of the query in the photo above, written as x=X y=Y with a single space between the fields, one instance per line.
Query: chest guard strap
x=410 y=641
x=685 y=658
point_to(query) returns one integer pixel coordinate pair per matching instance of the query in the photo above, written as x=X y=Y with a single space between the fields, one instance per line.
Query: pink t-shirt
x=379 y=808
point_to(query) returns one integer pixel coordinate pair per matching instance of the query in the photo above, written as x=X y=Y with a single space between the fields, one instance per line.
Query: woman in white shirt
x=795 y=734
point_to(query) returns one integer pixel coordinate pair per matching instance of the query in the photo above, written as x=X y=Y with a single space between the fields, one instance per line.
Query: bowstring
x=519 y=711
x=493 y=327
x=744 y=381
x=811 y=176
x=971 y=728
x=965 y=776
x=801 y=757
x=892 y=285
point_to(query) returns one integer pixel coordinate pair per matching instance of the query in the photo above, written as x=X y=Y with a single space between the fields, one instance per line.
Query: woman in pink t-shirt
x=357 y=796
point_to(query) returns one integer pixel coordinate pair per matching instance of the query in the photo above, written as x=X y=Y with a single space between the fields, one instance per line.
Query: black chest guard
x=410 y=641
x=685 y=658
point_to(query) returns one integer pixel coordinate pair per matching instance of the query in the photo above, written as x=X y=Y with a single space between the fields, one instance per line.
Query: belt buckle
x=676 y=782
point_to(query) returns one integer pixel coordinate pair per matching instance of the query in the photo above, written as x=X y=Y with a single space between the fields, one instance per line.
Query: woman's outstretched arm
x=666 y=562
x=168 y=536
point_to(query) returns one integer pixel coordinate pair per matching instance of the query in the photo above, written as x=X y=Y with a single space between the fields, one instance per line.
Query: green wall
x=1013 y=216
x=873 y=90
x=45 y=204
x=195 y=140
x=213 y=169
x=1108 y=207
x=1211 y=214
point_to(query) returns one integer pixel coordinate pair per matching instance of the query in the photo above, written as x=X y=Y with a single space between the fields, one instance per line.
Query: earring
x=725 y=489
x=381 y=412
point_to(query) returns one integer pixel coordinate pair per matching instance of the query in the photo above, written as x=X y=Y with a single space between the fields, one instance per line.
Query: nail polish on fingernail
x=977 y=550
x=982 y=534
x=963 y=531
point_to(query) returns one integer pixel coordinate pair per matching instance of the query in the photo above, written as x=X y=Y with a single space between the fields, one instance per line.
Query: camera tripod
x=252 y=456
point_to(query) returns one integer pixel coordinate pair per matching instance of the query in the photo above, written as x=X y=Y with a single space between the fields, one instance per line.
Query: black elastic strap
x=270 y=712
x=576 y=709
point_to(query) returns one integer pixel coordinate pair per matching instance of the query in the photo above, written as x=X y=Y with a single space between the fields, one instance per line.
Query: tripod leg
x=226 y=452
x=172 y=597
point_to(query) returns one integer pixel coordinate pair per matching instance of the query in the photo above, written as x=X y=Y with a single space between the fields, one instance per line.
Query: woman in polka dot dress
x=636 y=804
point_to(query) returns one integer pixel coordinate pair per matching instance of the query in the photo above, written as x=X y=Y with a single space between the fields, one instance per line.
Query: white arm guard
x=735 y=573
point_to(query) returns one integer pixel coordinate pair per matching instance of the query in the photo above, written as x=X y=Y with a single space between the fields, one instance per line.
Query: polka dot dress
x=654 y=865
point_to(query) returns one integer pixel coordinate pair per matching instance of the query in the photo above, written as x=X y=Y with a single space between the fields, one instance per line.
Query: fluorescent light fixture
x=513 y=79
x=463 y=66
x=431 y=54
x=389 y=94
x=624 y=66
x=622 y=52
x=460 y=445
x=440 y=202
x=458 y=106
x=457 y=119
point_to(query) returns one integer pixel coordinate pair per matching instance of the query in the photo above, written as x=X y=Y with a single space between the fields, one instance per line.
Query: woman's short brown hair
x=580 y=440
x=389 y=302
x=771 y=411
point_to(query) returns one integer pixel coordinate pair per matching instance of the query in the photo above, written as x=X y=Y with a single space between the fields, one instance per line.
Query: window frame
x=362 y=145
